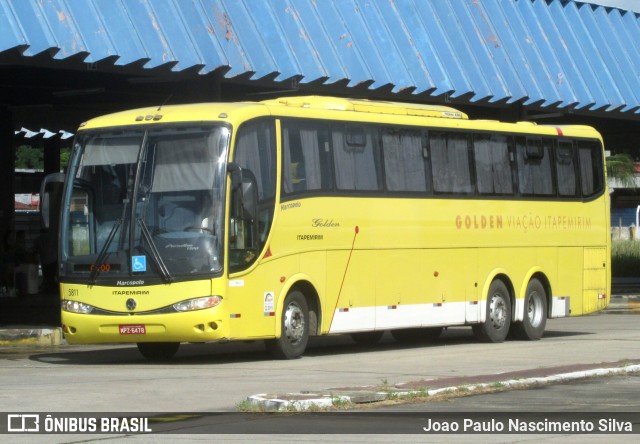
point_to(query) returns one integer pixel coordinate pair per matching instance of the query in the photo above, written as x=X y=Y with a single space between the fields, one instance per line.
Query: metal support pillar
x=7 y=171
x=51 y=155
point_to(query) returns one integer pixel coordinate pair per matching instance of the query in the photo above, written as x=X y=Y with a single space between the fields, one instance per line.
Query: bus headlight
x=76 y=307
x=198 y=303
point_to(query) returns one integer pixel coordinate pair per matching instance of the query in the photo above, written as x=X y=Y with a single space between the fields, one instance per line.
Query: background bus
x=302 y=216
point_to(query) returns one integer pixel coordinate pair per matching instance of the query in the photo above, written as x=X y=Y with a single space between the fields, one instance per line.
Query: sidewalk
x=30 y=320
x=339 y=396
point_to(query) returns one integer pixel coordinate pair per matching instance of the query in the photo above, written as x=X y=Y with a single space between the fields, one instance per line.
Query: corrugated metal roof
x=43 y=133
x=558 y=53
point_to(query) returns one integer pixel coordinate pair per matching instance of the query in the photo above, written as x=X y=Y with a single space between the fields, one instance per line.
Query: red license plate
x=138 y=329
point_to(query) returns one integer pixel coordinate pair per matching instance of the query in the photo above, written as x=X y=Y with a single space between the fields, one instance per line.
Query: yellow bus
x=288 y=218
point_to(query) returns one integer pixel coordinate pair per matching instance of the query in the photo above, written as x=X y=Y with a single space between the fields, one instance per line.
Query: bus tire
x=367 y=337
x=496 y=326
x=535 y=313
x=294 y=328
x=417 y=334
x=158 y=351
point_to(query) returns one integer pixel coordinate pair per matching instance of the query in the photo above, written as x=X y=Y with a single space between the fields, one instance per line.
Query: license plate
x=138 y=329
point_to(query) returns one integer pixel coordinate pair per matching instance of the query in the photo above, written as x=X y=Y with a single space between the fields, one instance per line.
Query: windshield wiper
x=103 y=253
x=155 y=254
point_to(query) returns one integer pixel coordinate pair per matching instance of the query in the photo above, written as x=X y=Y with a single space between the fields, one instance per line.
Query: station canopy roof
x=559 y=54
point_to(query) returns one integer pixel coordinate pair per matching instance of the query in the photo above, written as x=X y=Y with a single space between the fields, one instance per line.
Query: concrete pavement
x=47 y=335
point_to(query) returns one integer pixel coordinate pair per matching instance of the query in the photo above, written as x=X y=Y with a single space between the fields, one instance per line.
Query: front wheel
x=294 y=328
x=498 y=320
x=535 y=316
x=158 y=351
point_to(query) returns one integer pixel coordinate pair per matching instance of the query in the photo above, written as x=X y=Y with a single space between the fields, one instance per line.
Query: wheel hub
x=534 y=310
x=294 y=323
x=498 y=312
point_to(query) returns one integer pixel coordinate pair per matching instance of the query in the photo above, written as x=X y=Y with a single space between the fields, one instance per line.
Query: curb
x=31 y=336
x=326 y=399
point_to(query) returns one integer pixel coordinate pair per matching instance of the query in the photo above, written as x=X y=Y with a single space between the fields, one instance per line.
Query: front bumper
x=197 y=326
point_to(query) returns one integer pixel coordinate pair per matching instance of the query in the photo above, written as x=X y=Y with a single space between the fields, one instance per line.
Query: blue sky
x=630 y=5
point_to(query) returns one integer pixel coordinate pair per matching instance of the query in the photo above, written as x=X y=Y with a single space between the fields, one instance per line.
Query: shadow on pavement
x=252 y=351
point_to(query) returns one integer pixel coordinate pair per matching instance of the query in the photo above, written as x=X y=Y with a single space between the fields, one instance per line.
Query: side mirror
x=50 y=199
x=244 y=209
x=249 y=195
x=244 y=188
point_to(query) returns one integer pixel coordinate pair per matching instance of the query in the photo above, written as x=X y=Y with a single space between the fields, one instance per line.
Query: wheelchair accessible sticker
x=139 y=263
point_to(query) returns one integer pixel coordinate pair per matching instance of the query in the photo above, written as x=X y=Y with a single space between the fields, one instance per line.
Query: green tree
x=621 y=168
x=30 y=158
x=65 y=153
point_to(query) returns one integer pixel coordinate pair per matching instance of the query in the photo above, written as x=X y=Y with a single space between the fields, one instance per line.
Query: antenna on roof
x=165 y=102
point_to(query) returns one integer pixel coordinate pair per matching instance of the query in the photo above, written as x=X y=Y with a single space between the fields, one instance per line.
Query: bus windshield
x=145 y=204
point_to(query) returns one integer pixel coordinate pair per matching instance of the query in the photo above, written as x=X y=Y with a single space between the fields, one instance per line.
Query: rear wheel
x=417 y=334
x=498 y=319
x=158 y=351
x=294 y=328
x=535 y=314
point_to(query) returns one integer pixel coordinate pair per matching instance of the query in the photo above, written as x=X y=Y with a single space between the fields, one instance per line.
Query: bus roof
x=321 y=105
x=221 y=110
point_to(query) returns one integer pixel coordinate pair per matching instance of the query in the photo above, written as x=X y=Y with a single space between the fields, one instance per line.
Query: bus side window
x=493 y=164
x=534 y=166
x=450 y=162
x=591 y=176
x=566 y=169
x=305 y=164
x=404 y=160
x=355 y=159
